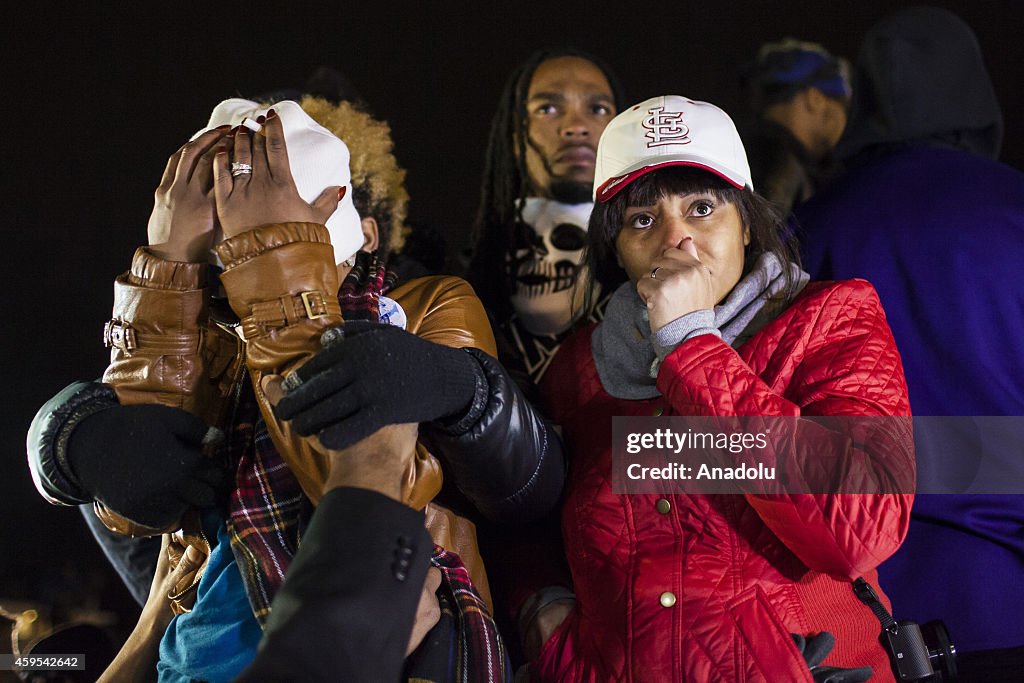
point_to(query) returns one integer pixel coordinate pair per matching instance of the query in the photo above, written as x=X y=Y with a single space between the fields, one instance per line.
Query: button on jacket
x=710 y=587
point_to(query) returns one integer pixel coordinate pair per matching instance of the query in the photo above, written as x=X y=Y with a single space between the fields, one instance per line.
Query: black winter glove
x=145 y=462
x=815 y=649
x=371 y=375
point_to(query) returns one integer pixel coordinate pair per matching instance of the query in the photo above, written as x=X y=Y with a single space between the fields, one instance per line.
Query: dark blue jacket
x=927 y=215
x=940 y=234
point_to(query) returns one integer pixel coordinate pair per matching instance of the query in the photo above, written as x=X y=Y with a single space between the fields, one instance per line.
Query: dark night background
x=97 y=99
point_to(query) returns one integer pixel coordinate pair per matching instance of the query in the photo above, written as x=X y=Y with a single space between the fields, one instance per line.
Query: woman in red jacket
x=717 y=318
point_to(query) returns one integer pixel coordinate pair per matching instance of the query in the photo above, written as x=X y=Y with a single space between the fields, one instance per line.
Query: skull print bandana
x=548 y=263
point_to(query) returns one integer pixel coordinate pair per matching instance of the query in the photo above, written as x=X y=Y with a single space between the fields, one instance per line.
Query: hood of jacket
x=920 y=80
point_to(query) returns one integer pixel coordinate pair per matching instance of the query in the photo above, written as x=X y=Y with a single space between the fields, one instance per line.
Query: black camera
x=917 y=652
x=920 y=652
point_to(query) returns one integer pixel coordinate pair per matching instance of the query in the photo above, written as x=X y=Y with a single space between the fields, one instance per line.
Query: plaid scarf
x=360 y=293
x=465 y=644
x=268 y=511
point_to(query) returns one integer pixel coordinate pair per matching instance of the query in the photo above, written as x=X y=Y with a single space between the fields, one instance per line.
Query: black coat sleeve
x=346 y=609
x=503 y=455
x=48 y=439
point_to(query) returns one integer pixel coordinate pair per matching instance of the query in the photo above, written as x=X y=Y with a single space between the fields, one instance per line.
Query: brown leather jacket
x=281 y=283
x=503 y=457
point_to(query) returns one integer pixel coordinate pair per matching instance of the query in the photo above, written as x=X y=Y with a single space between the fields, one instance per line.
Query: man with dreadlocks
x=293 y=226
x=527 y=265
x=535 y=202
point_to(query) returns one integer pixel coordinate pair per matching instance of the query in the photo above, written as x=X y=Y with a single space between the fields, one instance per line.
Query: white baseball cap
x=668 y=131
x=317 y=157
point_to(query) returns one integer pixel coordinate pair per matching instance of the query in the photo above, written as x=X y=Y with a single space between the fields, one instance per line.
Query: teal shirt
x=218 y=638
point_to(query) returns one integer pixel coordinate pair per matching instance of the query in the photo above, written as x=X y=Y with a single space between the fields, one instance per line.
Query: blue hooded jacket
x=927 y=215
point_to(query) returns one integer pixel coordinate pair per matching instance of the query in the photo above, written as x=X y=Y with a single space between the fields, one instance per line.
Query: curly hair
x=378 y=182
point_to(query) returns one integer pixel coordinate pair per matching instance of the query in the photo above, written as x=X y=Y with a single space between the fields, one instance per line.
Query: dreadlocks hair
x=378 y=182
x=504 y=186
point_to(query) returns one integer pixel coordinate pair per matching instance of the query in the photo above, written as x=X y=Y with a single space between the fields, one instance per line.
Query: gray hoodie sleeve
x=668 y=337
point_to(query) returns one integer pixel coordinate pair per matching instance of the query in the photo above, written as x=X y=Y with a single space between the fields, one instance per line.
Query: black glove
x=371 y=375
x=145 y=462
x=815 y=649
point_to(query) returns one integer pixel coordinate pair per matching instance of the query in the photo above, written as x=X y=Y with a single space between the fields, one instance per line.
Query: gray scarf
x=628 y=357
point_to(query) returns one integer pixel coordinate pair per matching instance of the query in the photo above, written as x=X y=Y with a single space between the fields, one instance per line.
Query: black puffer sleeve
x=48 y=439
x=502 y=455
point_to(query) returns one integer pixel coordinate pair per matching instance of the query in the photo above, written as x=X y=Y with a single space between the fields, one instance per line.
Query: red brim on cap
x=613 y=186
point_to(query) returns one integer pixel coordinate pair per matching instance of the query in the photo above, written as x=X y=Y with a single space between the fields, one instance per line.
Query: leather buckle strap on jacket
x=287 y=310
x=121 y=335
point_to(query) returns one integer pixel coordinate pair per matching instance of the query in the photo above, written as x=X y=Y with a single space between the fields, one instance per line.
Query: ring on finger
x=654 y=273
x=238 y=169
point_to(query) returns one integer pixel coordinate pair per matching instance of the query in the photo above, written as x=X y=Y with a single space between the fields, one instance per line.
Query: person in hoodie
x=928 y=215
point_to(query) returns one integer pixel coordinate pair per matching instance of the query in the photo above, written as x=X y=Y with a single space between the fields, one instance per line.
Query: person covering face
x=712 y=316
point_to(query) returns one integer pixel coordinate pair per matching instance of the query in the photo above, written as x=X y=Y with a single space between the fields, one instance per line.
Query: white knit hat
x=318 y=160
x=668 y=131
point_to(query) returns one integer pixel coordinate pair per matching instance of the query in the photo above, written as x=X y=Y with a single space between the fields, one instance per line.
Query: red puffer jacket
x=708 y=588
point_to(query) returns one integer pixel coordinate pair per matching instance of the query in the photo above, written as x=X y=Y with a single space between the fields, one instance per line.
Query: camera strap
x=910 y=652
x=866 y=594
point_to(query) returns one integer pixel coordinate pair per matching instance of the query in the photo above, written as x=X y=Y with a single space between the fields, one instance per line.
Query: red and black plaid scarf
x=465 y=644
x=268 y=511
x=360 y=293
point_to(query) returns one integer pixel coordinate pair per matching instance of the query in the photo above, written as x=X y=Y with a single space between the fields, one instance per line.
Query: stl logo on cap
x=670 y=130
x=665 y=128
